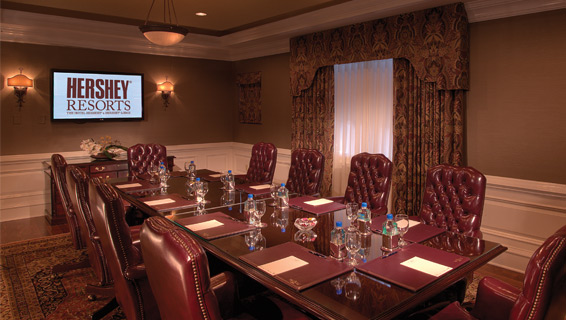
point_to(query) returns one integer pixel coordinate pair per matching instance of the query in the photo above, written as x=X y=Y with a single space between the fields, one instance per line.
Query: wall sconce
x=20 y=83
x=166 y=88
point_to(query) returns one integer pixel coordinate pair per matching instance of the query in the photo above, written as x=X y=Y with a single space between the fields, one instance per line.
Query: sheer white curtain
x=363 y=121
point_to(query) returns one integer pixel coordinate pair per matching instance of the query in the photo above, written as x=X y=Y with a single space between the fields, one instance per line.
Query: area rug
x=29 y=290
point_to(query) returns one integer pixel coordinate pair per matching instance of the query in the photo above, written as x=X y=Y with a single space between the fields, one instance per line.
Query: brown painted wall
x=275 y=104
x=516 y=118
x=202 y=107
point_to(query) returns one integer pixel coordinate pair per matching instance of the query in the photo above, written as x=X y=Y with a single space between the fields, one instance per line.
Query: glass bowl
x=305 y=224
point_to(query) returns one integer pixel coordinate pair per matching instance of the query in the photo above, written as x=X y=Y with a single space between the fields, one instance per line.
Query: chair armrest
x=136 y=272
x=336 y=199
x=224 y=287
x=494 y=299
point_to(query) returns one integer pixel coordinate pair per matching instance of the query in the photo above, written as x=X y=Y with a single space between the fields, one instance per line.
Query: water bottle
x=192 y=171
x=337 y=242
x=390 y=234
x=197 y=186
x=249 y=209
x=364 y=219
x=230 y=181
x=282 y=197
x=162 y=174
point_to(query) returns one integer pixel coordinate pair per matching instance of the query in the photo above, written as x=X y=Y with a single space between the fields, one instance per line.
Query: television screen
x=96 y=96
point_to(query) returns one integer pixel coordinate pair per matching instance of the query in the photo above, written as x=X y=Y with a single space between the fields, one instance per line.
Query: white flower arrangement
x=105 y=145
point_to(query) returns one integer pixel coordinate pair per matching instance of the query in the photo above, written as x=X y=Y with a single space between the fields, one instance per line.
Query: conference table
x=376 y=288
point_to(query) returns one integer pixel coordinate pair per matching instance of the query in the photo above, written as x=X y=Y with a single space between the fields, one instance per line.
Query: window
x=363 y=114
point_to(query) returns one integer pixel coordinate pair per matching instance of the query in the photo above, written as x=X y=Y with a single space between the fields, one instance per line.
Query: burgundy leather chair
x=306 y=171
x=77 y=183
x=542 y=296
x=369 y=181
x=453 y=199
x=58 y=169
x=131 y=286
x=262 y=163
x=177 y=268
x=141 y=156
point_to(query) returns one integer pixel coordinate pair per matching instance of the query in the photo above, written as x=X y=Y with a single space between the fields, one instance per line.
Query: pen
x=318 y=254
x=389 y=255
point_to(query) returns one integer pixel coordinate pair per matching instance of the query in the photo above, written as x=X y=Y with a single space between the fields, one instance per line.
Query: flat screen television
x=96 y=96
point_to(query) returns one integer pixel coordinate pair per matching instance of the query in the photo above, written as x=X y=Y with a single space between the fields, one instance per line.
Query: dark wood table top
x=375 y=298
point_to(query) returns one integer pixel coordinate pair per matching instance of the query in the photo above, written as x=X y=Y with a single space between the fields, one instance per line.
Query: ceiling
x=223 y=16
x=232 y=30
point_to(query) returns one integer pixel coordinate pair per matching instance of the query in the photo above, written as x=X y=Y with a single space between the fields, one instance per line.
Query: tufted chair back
x=544 y=278
x=131 y=285
x=542 y=295
x=305 y=173
x=369 y=181
x=177 y=268
x=262 y=163
x=58 y=169
x=141 y=156
x=77 y=182
x=453 y=199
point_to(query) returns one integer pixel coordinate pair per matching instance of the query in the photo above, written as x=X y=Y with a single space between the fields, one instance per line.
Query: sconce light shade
x=20 y=80
x=166 y=88
x=20 y=83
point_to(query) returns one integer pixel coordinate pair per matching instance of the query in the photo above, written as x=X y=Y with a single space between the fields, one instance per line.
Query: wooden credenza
x=107 y=169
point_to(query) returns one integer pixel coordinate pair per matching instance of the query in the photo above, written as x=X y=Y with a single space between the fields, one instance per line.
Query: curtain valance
x=435 y=41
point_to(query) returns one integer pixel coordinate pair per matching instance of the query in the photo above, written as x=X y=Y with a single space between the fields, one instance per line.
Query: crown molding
x=264 y=40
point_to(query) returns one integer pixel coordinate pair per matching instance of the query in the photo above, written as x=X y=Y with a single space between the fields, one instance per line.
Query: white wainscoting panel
x=25 y=190
x=521 y=214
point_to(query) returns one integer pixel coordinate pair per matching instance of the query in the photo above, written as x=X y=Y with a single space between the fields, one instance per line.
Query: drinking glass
x=353 y=286
x=202 y=190
x=260 y=209
x=402 y=221
x=353 y=244
x=273 y=189
x=153 y=171
x=352 y=213
x=187 y=164
x=223 y=180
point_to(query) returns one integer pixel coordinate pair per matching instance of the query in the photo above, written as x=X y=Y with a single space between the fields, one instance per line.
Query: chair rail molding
x=520 y=214
x=25 y=179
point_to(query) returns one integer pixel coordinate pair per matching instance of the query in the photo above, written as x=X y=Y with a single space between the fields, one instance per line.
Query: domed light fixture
x=166 y=33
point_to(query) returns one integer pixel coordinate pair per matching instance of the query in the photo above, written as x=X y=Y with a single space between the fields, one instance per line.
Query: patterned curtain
x=313 y=121
x=249 y=85
x=428 y=130
x=434 y=40
x=428 y=116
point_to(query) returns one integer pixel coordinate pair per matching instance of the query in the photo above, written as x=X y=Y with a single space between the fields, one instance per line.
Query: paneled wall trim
x=521 y=214
x=25 y=181
x=518 y=213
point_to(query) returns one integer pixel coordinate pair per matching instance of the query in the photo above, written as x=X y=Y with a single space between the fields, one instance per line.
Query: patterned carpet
x=29 y=290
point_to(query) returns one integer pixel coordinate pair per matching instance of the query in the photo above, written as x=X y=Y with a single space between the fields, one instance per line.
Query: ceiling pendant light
x=166 y=33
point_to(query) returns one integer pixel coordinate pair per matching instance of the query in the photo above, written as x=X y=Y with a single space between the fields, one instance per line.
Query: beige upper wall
x=275 y=102
x=516 y=110
x=201 y=109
